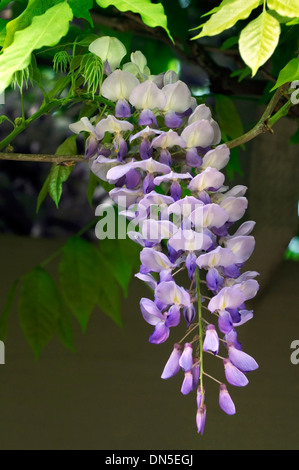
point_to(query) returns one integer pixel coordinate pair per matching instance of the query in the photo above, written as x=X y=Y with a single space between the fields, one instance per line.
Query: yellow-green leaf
x=152 y=14
x=227 y=15
x=289 y=73
x=288 y=8
x=258 y=41
x=45 y=30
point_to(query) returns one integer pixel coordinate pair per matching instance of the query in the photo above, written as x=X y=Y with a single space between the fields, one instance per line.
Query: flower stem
x=200 y=330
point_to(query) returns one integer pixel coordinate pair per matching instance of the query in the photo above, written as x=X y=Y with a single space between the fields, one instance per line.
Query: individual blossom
x=118 y=87
x=225 y=401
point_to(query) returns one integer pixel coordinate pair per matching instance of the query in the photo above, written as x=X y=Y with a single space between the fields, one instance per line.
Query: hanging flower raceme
x=181 y=213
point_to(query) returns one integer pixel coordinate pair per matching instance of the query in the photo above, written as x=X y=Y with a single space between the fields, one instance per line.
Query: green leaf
x=233 y=165
x=259 y=40
x=65 y=327
x=5 y=314
x=295 y=138
x=109 y=300
x=242 y=73
x=39 y=308
x=228 y=117
x=58 y=173
x=152 y=14
x=285 y=7
x=227 y=15
x=81 y=9
x=45 y=30
x=230 y=42
x=123 y=258
x=79 y=278
x=293 y=22
x=34 y=8
x=289 y=73
x=3 y=24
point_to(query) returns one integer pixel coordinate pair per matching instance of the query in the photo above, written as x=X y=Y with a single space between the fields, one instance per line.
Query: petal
x=228 y=297
x=200 y=112
x=148 y=279
x=233 y=375
x=242 y=247
x=124 y=197
x=170 y=293
x=211 y=341
x=150 y=311
x=189 y=240
x=178 y=97
x=168 y=139
x=235 y=206
x=83 y=125
x=101 y=165
x=209 y=178
x=148 y=96
x=119 y=85
x=173 y=317
x=217 y=158
x=186 y=359
x=155 y=260
x=225 y=401
x=110 y=49
x=198 y=134
x=218 y=257
x=201 y=419
x=160 y=334
x=225 y=323
x=113 y=126
x=172 y=366
x=187 y=385
x=241 y=360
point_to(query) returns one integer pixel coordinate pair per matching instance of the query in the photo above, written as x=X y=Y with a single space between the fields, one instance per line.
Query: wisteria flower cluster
x=163 y=154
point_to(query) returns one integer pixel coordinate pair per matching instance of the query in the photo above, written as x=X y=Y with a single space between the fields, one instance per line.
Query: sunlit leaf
x=152 y=14
x=227 y=15
x=289 y=73
x=285 y=7
x=45 y=30
x=258 y=40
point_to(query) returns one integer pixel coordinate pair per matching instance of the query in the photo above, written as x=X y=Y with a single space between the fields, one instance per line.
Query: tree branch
x=59 y=159
x=267 y=120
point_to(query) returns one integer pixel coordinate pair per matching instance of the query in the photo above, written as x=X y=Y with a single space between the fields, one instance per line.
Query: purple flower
x=211 y=341
x=233 y=375
x=170 y=293
x=160 y=334
x=225 y=322
x=241 y=360
x=228 y=297
x=201 y=419
x=210 y=179
x=155 y=260
x=187 y=385
x=189 y=314
x=172 y=366
x=186 y=359
x=225 y=401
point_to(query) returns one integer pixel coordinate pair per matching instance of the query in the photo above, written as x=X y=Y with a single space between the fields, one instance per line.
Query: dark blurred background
x=108 y=393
